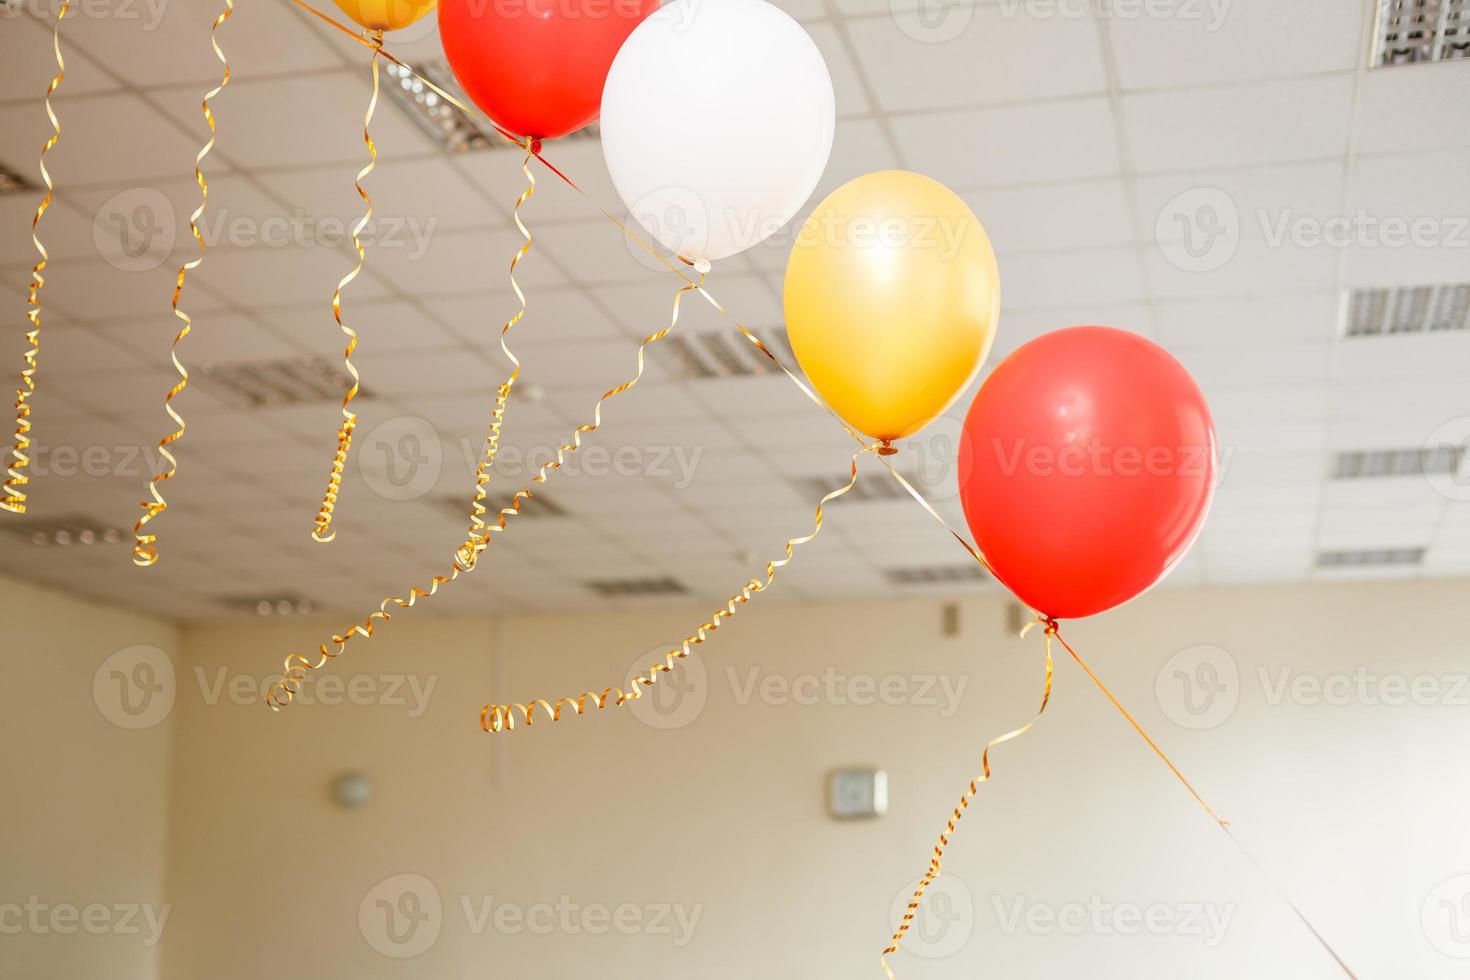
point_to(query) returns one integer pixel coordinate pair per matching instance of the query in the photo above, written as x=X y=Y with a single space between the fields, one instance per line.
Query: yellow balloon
x=892 y=296
x=386 y=15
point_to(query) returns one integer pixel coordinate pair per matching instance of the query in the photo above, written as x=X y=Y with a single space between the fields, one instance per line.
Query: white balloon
x=717 y=121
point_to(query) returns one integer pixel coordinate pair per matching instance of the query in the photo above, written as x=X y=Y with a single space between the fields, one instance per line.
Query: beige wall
x=709 y=843
x=1359 y=806
x=86 y=793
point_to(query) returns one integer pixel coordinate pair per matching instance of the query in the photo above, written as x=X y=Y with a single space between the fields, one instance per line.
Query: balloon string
x=324 y=531
x=659 y=257
x=476 y=539
x=297 y=665
x=936 y=861
x=1219 y=821
x=502 y=717
x=16 y=477
x=145 y=548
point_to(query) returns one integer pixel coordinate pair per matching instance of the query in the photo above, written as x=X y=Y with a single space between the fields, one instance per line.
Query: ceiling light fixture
x=1417 y=31
x=1364 y=558
x=1406 y=309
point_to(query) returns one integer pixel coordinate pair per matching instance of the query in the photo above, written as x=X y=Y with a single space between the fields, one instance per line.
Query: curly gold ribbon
x=974 y=552
x=297 y=665
x=16 y=477
x=502 y=717
x=469 y=552
x=145 y=549
x=936 y=861
x=324 y=532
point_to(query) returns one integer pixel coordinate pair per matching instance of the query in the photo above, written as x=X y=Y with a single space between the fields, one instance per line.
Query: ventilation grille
x=623 y=588
x=1415 y=31
x=1410 y=309
x=936 y=574
x=13 y=183
x=726 y=354
x=1370 y=557
x=817 y=487
x=459 y=505
x=271 y=384
x=455 y=130
x=1364 y=464
x=64 y=531
x=288 y=604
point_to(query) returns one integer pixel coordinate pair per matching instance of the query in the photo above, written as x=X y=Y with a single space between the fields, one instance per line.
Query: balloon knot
x=535 y=145
x=885 y=448
x=1051 y=626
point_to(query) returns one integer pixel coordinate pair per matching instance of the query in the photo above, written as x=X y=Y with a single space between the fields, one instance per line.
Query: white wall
x=85 y=795
x=1359 y=806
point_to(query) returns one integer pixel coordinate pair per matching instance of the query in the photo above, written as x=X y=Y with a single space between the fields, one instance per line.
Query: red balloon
x=1086 y=469
x=537 y=67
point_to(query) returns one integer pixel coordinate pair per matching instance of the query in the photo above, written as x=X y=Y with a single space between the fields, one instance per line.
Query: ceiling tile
x=1235 y=40
x=917 y=61
x=1072 y=140
x=1238 y=125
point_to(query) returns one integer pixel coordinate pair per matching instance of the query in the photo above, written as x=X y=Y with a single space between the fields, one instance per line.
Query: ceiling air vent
x=269 y=605
x=459 y=505
x=1370 y=557
x=1412 y=32
x=64 y=531
x=1407 y=309
x=1361 y=464
x=726 y=354
x=636 y=587
x=455 y=130
x=936 y=574
x=271 y=384
x=817 y=487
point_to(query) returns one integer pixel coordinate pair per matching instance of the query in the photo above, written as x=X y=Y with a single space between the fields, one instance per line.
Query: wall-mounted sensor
x=352 y=790
x=857 y=794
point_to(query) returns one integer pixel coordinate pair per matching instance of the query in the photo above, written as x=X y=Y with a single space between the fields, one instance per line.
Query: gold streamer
x=145 y=550
x=297 y=665
x=324 y=532
x=936 y=861
x=974 y=552
x=502 y=717
x=469 y=552
x=16 y=477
